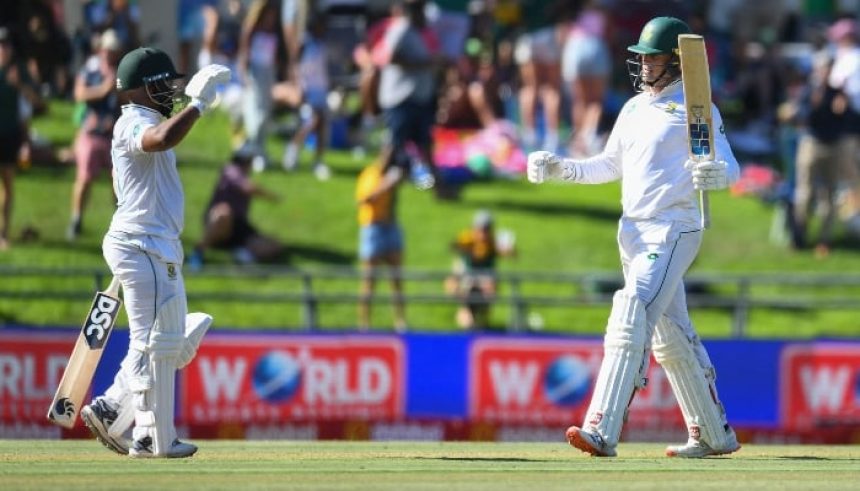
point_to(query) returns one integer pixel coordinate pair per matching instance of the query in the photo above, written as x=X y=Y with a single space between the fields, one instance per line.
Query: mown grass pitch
x=234 y=465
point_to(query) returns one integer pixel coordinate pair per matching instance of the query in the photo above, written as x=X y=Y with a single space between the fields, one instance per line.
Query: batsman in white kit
x=659 y=235
x=143 y=250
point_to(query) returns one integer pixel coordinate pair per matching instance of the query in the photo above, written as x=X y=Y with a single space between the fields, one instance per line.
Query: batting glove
x=542 y=166
x=708 y=175
x=201 y=87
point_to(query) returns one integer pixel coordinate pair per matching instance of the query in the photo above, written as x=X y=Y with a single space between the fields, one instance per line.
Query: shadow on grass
x=592 y=212
x=315 y=253
x=482 y=459
x=808 y=457
x=89 y=244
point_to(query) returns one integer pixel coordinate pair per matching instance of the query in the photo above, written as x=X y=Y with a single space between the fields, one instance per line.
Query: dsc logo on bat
x=100 y=320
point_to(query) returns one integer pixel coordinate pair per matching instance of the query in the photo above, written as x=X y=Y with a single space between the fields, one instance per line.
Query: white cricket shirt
x=149 y=193
x=647 y=150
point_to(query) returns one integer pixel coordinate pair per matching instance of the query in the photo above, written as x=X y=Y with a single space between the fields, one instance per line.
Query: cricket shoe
x=589 y=442
x=99 y=416
x=697 y=449
x=142 y=449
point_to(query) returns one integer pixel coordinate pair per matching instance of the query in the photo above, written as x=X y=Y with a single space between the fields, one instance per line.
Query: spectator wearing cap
x=14 y=122
x=95 y=87
x=845 y=78
x=474 y=278
x=226 y=222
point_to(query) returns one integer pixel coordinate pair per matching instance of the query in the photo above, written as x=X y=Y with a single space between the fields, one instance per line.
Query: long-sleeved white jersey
x=647 y=150
x=149 y=192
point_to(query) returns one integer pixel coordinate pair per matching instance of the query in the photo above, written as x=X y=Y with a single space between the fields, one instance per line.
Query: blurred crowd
x=458 y=90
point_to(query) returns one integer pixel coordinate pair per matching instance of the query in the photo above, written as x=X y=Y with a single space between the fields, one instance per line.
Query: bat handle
x=113 y=287
x=705 y=209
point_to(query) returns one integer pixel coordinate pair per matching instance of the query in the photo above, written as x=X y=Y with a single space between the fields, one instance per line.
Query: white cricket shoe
x=142 y=449
x=99 y=416
x=697 y=449
x=589 y=442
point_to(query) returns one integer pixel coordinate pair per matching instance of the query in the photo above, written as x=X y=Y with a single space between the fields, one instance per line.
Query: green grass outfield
x=559 y=228
x=69 y=464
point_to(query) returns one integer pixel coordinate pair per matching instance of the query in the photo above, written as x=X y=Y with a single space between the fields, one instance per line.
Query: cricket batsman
x=143 y=250
x=659 y=236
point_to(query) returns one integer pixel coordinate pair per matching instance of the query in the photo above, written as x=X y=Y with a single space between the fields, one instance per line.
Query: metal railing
x=520 y=291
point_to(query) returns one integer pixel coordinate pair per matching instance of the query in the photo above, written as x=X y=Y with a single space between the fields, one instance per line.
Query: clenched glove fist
x=708 y=175
x=201 y=87
x=542 y=166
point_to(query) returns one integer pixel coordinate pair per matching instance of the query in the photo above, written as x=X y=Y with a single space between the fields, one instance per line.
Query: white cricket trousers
x=150 y=271
x=655 y=255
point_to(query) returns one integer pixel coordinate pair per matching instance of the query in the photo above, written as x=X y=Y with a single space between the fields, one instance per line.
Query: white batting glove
x=708 y=175
x=542 y=166
x=201 y=87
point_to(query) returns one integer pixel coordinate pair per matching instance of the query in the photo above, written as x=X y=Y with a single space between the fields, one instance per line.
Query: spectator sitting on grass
x=474 y=278
x=226 y=221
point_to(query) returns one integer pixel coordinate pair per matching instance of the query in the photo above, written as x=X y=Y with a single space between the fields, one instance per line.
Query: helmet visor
x=167 y=93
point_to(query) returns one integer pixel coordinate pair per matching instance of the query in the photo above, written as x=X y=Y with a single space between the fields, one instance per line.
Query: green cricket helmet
x=660 y=36
x=153 y=69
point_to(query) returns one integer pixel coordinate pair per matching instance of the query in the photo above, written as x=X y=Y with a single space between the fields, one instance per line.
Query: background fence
x=520 y=293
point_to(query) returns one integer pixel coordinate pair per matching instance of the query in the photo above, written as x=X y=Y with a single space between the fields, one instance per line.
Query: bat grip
x=113 y=287
x=705 y=209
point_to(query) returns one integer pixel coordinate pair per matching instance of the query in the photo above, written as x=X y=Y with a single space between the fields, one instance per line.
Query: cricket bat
x=697 y=99
x=85 y=357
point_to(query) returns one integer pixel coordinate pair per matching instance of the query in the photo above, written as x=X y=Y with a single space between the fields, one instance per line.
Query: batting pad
x=196 y=325
x=165 y=346
x=692 y=384
x=623 y=352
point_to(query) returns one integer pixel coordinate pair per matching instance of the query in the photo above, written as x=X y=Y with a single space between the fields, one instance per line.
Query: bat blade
x=85 y=357
x=697 y=99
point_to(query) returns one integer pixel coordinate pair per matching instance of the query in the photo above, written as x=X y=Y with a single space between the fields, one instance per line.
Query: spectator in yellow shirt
x=380 y=239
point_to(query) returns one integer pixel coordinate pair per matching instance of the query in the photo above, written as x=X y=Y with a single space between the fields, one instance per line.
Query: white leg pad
x=196 y=325
x=624 y=349
x=692 y=383
x=165 y=346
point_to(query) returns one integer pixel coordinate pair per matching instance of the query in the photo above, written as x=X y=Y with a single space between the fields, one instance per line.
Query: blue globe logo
x=567 y=381
x=277 y=377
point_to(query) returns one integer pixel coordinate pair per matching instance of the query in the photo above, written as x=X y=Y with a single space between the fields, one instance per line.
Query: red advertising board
x=267 y=379
x=31 y=365
x=820 y=385
x=550 y=382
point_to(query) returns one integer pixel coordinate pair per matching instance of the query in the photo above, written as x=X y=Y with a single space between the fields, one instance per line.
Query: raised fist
x=543 y=165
